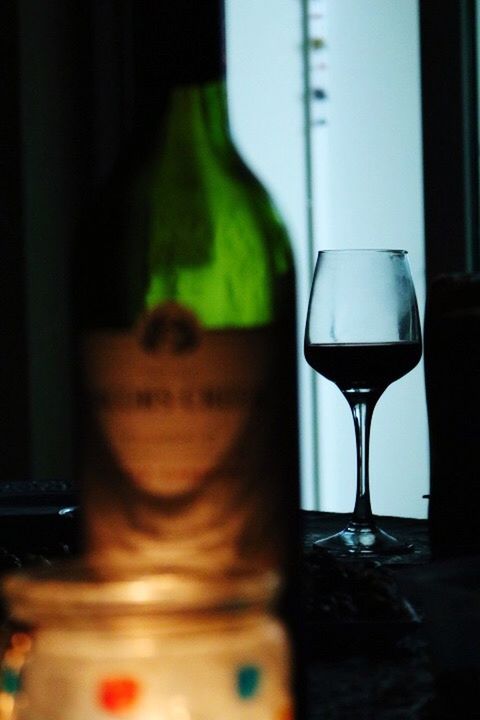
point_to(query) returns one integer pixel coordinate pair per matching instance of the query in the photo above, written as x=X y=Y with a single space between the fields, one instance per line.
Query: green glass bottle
x=187 y=317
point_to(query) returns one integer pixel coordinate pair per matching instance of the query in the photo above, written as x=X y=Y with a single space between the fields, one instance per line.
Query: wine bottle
x=452 y=359
x=186 y=317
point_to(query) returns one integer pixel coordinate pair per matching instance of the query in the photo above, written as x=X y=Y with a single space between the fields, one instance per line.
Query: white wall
x=367 y=183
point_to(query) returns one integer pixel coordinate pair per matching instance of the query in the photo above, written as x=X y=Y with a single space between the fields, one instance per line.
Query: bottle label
x=182 y=463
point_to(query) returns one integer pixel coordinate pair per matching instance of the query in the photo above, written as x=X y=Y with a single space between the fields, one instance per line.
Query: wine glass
x=363 y=333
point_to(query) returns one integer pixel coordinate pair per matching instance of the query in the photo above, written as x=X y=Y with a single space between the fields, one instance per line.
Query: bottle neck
x=196 y=117
x=187 y=120
x=176 y=42
x=179 y=71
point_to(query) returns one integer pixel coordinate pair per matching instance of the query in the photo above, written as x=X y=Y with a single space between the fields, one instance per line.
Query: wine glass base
x=359 y=540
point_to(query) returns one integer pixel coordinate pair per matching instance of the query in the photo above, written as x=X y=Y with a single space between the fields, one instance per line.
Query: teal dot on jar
x=248 y=681
x=10 y=681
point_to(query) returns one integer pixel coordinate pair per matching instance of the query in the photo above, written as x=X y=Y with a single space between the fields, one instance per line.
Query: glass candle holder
x=145 y=648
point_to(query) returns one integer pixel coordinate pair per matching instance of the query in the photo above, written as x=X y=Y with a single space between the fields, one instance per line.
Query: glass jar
x=141 y=648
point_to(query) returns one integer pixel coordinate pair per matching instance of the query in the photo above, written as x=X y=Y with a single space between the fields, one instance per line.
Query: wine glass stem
x=362 y=407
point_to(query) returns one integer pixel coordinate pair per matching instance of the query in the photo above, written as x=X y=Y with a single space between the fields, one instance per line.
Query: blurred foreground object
x=185 y=309
x=147 y=646
x=452 y=374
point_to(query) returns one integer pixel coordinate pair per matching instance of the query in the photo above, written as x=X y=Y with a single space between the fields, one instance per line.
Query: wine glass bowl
x=362 y=333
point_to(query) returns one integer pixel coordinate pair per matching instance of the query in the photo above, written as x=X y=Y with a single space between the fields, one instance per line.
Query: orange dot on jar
x=285 y=712
x=117 y=694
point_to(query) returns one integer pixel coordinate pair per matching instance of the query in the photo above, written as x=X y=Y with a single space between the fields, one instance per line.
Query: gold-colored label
x=180 y=454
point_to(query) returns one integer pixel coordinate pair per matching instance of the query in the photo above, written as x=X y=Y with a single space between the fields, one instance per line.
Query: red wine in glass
x=364 y=365
x=362 y=333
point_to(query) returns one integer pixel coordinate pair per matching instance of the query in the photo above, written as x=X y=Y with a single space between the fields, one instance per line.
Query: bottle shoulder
x=199 y=229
